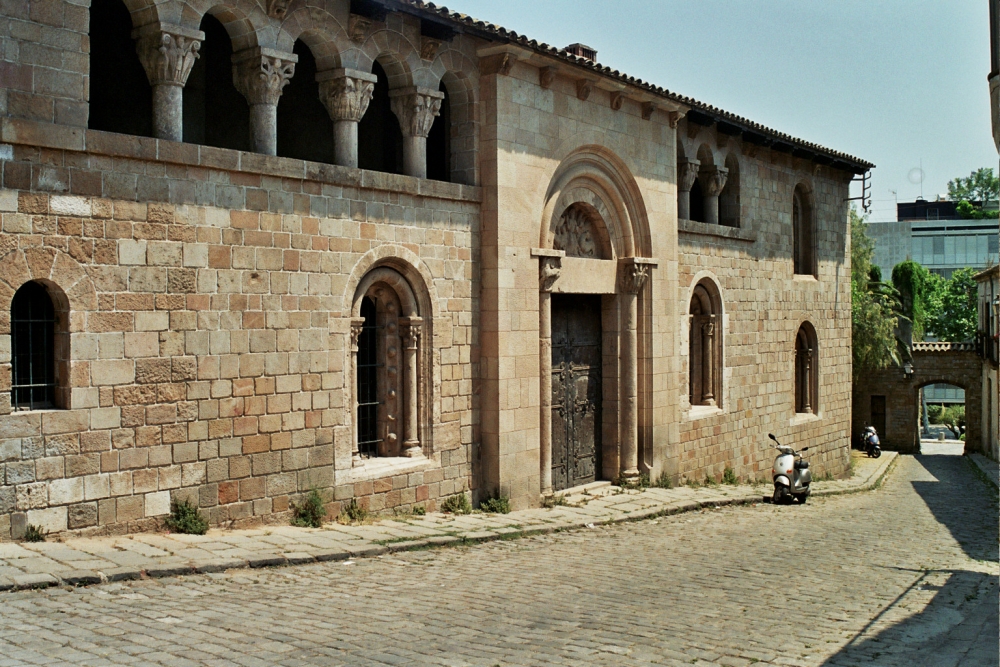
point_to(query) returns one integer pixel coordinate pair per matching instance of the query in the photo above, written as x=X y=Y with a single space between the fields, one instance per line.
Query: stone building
x=386 y=251
x=988 y=348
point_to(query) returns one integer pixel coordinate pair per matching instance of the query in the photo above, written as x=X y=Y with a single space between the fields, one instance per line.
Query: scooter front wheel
x=877 y=452
x=780 y=495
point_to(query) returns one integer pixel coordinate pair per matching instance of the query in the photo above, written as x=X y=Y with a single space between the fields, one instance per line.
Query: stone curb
x=984 y=464
x=209 y=566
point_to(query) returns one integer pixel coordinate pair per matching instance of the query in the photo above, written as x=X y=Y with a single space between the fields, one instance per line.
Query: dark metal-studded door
x=576 y=389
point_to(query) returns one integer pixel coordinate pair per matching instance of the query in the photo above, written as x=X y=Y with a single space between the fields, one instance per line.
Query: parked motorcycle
x=791 y=474
x=869 y=438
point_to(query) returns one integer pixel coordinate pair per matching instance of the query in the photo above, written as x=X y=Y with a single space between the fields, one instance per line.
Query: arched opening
x=380 y=141
x=806 y=370
x=387 y=367
x=439 y=142
x=39 y=341
x=697 y=202
x=305 y=131
x=121 y=99
x=803 y=241
x=215 y=113
x=705 y=347
x=729 y=198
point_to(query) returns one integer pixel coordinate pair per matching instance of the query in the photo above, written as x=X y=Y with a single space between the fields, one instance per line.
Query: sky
x=900 y=83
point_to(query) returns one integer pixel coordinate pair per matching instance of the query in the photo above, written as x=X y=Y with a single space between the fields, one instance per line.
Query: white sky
x=894 y=82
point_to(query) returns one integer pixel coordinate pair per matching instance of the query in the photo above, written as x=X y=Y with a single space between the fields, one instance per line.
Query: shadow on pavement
x=957 y=628
x=950 y=498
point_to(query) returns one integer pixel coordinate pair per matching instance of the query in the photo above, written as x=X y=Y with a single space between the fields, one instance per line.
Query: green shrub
x=419 y=510
x=663 y=481
x=310 y=512
x=353 y=513
x=729 y=477
x=456 y=504
x=185 y=518
x=554 y=501
x=33 y=533
x=498 y=505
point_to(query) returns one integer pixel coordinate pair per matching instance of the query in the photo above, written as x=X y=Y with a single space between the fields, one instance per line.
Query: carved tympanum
x=575 y=234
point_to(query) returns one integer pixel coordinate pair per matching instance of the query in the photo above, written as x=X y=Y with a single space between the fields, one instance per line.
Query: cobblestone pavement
x=904 y=575
x=77 y=561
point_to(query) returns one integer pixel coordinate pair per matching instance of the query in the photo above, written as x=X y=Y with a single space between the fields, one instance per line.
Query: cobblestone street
x=904 y=575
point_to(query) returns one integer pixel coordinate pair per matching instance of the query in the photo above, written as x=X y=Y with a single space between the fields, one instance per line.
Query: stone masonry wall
x=209 y=329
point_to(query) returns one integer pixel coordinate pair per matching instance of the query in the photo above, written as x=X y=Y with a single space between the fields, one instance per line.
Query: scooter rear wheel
x=876 y=453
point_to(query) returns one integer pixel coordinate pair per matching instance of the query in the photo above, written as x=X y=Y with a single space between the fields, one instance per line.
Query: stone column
x=712 y=183
x=416 y=109
x=807 y=380
x=260 y=74
x=410 y=330
x=687 y=173
x=167 y=53
x=357 y=325
x=707 y=362
x=633 y=277
x=548 y=271
x=346 y=94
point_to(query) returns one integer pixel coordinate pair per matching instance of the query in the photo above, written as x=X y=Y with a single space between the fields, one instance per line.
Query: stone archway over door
x=576 y=389
x=893 y=395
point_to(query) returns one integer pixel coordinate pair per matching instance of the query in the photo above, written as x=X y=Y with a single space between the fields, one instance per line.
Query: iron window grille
x=32 y=328
x=368 y=369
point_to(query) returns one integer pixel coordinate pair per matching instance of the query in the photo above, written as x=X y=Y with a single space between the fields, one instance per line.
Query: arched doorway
x=941 y=409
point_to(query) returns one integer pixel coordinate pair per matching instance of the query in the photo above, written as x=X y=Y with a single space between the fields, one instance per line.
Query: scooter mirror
x=771 y=436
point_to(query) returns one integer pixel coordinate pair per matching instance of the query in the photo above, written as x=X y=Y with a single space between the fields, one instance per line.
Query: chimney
x=583 y=51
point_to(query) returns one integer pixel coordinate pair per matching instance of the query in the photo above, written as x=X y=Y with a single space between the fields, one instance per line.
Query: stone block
x=65 y=491
x=157 y=504
x=131 y=252
x=109 y=372
x=52 y=520
x=83 y=515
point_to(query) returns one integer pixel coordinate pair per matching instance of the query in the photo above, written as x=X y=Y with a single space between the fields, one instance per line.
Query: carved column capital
x=346 y=93
x=357 y=325
x=708 y=328
x=633 y=276
x=167 y=52
x=260 y=74
x=714 y=181
x=687 y=174
x=548 y=272
x=410 y=330
x=416 y=109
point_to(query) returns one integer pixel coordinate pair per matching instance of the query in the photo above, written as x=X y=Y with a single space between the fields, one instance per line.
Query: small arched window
x=439 y=142
x=803 y=236
x=380 y=141
x=33 y=348
x=806 y=370
x=215 y=112
x=705 y=348
x=121 y=99
x=304 y=129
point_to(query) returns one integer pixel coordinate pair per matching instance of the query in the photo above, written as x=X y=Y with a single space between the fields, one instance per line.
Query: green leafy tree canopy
x=981 y=186
x=952 y=309
x=873 y=320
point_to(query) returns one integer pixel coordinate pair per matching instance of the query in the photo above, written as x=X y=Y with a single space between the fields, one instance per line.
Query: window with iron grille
x=32 y=329
x=368 y=395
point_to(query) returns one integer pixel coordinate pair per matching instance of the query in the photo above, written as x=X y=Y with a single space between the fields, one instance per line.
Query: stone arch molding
x=58 y=271
x=595 y=176
x=406 y=262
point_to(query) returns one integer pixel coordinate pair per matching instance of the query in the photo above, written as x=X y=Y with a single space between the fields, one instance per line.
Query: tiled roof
x=702 y=113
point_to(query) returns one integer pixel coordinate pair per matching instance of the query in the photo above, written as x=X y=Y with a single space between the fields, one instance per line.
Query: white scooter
x=791 y=474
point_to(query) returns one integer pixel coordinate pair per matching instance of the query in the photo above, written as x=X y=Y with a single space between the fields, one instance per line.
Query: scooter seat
x=801 y=465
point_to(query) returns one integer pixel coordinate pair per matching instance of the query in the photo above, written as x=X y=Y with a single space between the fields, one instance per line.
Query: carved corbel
x=546 y=76
x=548 y=272
x=429 y=47
x=633 y=276
x=584 y=88
x=693 y=129
x=674 y=118
x=647 y=110
x=498 y=63
x=357 y=326
x=277 y=9
x=358 y=28
x=617 y=101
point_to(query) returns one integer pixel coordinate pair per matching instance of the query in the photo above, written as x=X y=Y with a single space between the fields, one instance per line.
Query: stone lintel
x=341 y=72
x=264 y=52
x=547 y=252
x=158 y=27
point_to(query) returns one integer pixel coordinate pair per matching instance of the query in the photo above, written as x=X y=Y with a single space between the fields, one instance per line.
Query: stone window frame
x=705 y=296
x=56 y=353
x=805 y=371
x=803 y=232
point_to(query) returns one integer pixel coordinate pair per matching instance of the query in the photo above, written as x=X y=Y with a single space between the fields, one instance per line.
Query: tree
x=952 y=310
x=981 y=186
x=873 y=320
x=917 y=287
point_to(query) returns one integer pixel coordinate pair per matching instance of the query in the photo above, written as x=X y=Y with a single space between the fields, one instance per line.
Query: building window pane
x=33 y=321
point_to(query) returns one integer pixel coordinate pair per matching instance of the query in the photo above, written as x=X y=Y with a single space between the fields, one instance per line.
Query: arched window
x=215 y=113
x=729 y=198
x=803 y=241
x=705 y=347
x=386 y=334
x=34 y=380
x=305 y=131
x=806 y=370
x=380 y=141
x=697 y=202
x=439 y=142
x=121 y=99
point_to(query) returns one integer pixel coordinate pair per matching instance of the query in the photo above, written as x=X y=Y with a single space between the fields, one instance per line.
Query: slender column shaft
x=345 y=146
x=684 y=204
x=346 y=94
x=711 y=208
x=707 y=363
x=260 y=75
x=411 y=347
x=630 y=384
x=264 y=129
x=545 y=377
x=415 y=156
x=416 y=109
x=357 y=326
x=807 y=382
x=168 y=111
x=687 y=172
x=713 y=182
